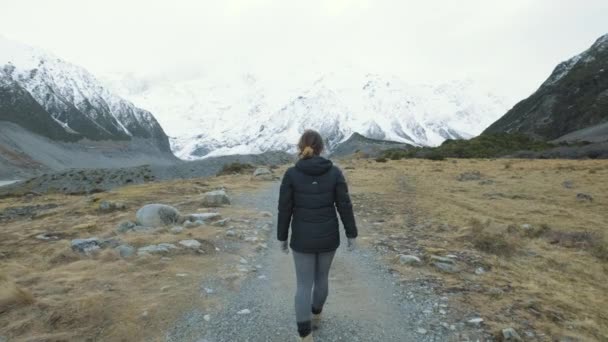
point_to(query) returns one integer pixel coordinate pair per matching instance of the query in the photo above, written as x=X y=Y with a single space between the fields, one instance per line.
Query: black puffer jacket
x=310 y=193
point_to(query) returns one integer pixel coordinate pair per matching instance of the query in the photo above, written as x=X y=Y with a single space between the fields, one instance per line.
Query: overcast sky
x=509 y=46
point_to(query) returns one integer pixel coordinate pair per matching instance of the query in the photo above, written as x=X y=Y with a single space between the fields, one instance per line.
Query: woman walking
x=311 y=191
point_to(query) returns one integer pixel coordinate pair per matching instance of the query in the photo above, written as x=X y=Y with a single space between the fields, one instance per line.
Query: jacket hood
x=314 y=166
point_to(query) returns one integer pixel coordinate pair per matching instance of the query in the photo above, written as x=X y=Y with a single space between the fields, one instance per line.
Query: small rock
x=441 y=259
x=448 y=268
x=190 y=244
x=208 y=290
x=510 y=335
x=469 y=176
x=125 y=251
x=203 y=218
x=251 y=239
x=244 y=312
x=583 y=197
x=243 y=261
x=157 y=215
x=86 y=246
x=177 y=230
x=568 y=184
x=526 y=226
x=215 y=198
x=421 y=331
x=221 y=223
x=409 y=260
x=111 y=206
x=475 y=322
x=190 y=224
x=181 y=275
x=207 y=318
x=161 y=248
x=125 y=226
x=230 y=233
x=480 y=271
x=46 y=237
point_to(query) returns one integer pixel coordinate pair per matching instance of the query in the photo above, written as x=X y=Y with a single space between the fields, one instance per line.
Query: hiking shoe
x=316 y=321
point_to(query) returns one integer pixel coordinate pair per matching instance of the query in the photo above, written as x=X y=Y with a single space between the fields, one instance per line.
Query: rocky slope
x=224 y=114
x=574 y=97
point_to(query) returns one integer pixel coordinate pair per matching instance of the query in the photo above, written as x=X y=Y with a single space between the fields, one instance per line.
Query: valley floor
x=516 y=243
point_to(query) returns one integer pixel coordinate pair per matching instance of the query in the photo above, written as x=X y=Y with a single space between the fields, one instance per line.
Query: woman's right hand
x=284 y=247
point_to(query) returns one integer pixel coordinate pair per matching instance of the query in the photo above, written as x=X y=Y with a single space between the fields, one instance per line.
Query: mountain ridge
x=574 y=97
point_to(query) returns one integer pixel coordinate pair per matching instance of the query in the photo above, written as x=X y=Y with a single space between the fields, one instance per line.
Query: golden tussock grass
x=50 y=293
x=544 y=250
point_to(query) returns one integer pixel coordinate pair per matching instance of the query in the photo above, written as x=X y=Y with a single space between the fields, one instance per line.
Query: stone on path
x=244 y=312
x=475 y=321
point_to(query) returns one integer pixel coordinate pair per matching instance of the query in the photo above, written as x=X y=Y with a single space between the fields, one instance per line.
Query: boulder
x=161 y=248
x=262 y=173
x=157 y=215
x=215 y=198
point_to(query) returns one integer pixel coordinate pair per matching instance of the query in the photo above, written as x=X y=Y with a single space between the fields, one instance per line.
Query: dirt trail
x=366 y=302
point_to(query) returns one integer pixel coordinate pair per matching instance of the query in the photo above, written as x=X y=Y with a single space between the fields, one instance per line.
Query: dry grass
x=545 y=252
x=50 y=293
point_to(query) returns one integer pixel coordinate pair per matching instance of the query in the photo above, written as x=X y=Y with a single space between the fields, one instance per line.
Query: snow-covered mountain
x=71 y=96
x=208 y=115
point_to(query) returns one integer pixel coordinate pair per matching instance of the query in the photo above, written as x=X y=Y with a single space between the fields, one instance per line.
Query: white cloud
x=511 y=46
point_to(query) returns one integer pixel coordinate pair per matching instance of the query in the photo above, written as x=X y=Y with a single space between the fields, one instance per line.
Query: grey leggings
x=312 y=274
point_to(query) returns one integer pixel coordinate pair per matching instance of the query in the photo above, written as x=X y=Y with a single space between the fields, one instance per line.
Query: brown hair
x=310 y=144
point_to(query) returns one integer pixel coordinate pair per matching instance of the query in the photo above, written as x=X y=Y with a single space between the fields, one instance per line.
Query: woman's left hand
x=351 y=245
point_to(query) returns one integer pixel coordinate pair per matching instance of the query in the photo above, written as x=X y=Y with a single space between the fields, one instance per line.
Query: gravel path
x=366 y=303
